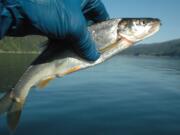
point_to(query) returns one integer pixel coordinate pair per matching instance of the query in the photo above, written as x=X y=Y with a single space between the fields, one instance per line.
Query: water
x=125 y=95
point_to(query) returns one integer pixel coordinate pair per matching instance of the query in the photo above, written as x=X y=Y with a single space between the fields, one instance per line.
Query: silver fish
x=111 y=37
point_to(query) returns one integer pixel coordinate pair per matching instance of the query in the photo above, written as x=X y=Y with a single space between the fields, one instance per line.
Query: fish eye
x=143 y=22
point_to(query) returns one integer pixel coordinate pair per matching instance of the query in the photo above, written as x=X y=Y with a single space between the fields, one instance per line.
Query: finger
x=82 y=41
x=5 y=21
x=95 y=10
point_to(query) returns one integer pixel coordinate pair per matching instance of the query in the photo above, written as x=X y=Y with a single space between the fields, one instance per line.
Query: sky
x=168 y=11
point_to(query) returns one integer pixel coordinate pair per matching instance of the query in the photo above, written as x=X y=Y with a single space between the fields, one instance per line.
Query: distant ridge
x=30 y=45
x=169 y=48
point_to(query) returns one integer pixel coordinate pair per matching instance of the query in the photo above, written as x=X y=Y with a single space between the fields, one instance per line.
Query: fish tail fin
x=14 y=114
x=13 y=110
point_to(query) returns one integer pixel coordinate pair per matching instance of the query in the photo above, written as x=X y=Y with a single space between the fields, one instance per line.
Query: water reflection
x=11 y=68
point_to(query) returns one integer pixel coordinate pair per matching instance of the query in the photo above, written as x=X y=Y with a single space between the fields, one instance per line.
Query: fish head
x=137 y=29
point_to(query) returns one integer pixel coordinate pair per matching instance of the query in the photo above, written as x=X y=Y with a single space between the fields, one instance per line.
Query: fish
x=56 y=60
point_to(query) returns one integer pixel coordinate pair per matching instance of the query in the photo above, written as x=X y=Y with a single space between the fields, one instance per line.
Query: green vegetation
x=25 y=44
x=12 y=66
x=169 y=48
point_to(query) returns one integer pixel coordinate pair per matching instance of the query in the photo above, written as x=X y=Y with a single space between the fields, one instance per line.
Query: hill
x=25 y=44
x=168 y=48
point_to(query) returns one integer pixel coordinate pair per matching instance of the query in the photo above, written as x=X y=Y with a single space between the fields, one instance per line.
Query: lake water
x=123 y=96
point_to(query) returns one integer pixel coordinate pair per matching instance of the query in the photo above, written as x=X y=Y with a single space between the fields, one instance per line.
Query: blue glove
x=62 y=20
x=5 y=19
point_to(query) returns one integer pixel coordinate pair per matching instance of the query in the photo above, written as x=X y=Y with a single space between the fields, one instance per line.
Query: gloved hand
x=62 y=20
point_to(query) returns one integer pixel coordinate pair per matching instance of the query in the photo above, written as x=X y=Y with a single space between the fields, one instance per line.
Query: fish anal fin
x=43 y=83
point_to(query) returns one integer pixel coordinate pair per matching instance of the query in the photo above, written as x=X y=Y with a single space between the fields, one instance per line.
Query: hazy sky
x=166 y=10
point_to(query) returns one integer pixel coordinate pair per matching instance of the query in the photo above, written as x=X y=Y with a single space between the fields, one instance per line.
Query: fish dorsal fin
x=44 y=82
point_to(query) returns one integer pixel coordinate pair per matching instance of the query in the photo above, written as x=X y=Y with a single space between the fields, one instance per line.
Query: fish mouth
x=155 y=28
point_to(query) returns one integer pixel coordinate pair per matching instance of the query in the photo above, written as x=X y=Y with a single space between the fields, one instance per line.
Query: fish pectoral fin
x=43 y=83
x=107 y=48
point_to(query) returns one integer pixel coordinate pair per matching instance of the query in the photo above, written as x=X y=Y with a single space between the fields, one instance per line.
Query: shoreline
x=155 y=56
x=132 y=55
